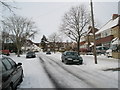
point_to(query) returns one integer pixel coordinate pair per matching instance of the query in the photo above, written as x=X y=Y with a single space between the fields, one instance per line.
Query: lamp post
x=93 y=30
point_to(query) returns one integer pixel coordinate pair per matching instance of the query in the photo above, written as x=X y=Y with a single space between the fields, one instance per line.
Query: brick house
x=109 y=32
x=87 y=41
x=59 y=46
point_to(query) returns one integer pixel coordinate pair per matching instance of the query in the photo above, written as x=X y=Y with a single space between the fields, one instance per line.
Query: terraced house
x=110 y=35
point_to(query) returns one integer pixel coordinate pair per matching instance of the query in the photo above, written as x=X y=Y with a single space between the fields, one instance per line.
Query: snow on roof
x=111 y=23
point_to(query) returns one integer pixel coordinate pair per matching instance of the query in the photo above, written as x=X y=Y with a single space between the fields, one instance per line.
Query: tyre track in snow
x=56 y=81
x=91 y=75
x=49 y=75
x=82 y=77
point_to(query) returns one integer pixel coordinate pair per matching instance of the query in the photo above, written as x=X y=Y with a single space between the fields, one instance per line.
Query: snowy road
x=47 y=71
x=34 y=74
x=79 y=76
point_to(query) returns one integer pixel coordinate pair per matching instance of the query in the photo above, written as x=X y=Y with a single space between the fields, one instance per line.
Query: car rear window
x=2 y=67
x=30 y=52
x=71 y=53
x=12 y=62
x=6 y=63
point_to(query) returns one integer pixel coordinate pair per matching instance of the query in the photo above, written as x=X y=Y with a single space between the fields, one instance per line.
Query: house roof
x=111 y=23
x=90 y=30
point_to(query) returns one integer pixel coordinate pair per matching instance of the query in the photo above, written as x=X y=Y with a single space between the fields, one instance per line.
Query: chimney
x=115 y=16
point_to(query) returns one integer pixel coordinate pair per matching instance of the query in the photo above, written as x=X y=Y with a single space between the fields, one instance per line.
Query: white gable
x=109 y=25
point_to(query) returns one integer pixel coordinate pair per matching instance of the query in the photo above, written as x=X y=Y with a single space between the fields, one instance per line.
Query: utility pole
x=93 y=30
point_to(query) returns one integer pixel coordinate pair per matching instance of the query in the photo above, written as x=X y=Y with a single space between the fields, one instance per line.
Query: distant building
x=59 y=46
x=86 y=43
x=31 y=46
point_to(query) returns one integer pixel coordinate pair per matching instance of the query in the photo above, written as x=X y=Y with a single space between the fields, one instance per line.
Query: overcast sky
x=48 y=15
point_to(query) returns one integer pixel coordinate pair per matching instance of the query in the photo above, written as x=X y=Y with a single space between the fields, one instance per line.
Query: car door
x=17 y=72
x=6 y=73
x=4 y=81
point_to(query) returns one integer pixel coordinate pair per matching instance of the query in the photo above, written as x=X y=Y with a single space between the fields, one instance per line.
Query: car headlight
x=69 y=59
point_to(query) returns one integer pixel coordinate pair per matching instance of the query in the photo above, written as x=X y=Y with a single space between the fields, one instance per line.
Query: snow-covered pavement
x=88 y=75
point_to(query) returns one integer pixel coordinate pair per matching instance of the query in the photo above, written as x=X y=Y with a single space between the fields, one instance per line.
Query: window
x=7 y=63
x=12 y=62
x=106 y=33
x=72 y=53
x=105 y=48
x=0 y=66
x=3 y=68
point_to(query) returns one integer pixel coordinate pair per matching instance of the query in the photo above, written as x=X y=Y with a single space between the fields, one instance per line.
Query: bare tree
x=54 y=38
x=75 y=22
x=5 y=38
x=6 y=5
x=20 y=29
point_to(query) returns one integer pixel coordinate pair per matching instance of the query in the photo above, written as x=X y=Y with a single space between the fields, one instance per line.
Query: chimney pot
x=115 y=16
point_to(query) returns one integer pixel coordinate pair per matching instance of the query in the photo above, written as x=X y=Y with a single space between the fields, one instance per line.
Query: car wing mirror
x=64 y=54
x=19 y=64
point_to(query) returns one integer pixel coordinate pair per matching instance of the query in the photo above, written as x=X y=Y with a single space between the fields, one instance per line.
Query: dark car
x=71 y=57
x=11 y=73
x=30 y=55
x=48 y=52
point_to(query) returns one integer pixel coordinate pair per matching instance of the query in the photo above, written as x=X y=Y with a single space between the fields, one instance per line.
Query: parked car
x=11 y=73
x=30 y=54
x=71 y=57
x=101 y=49
x=5 y=52
x=109 y=53
x=48 y=52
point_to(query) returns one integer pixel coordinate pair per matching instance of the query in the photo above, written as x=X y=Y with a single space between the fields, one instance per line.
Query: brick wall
x=116 y=31
x=104 y=40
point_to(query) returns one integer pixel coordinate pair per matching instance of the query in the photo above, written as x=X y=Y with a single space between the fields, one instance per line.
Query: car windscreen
x=72 y=53
x=0 y=66
x=30 y=53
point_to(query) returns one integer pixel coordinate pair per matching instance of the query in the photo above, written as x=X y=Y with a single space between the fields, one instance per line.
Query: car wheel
x=62 y=61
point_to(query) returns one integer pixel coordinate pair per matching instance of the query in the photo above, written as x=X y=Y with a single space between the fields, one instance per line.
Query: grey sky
x=48 y=15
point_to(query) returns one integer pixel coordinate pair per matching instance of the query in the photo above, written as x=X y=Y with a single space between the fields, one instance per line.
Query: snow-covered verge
x=34 y=74
x=88 y=61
